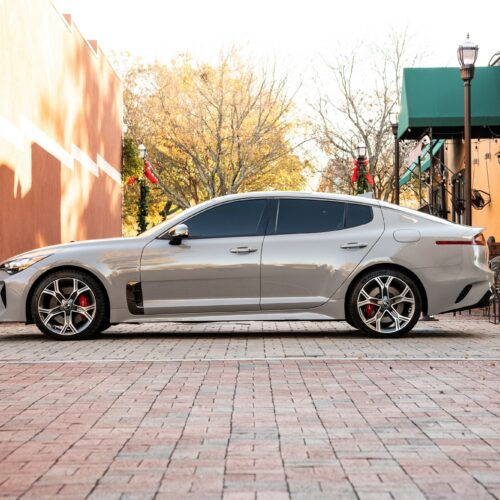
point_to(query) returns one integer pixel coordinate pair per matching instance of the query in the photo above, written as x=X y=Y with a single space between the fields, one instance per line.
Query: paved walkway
x=252 y=410
x=456 y=338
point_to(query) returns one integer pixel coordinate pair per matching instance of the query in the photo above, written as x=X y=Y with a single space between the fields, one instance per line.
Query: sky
x=295 y=32
x=299 y=35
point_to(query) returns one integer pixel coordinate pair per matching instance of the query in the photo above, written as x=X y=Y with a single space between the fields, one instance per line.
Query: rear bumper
x=484 y=302
x=444 y=285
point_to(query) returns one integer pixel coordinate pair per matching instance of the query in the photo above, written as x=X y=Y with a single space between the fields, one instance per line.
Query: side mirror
x=178 y=233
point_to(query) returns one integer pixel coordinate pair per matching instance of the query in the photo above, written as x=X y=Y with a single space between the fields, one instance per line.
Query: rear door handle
x=354 y=244
x=243 y=250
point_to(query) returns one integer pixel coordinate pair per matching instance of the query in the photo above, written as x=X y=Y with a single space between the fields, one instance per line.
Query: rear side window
x=358 y=215
x=240 y=218
x=308 y=216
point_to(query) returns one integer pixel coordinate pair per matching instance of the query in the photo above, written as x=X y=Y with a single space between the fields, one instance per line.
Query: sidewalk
x=220 y=411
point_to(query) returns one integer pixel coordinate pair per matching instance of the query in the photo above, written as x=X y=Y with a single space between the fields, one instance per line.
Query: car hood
x=101 y=244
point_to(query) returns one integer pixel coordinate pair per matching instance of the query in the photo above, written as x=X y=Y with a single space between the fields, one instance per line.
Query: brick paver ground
x=252 y=410
x=459 y=337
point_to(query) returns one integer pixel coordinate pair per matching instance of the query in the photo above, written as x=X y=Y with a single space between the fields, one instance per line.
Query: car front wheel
x=69 y=305
x=385 y=302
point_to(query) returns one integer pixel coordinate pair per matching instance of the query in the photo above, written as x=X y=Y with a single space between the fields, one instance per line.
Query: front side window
x=295 y=216
x=239 y=218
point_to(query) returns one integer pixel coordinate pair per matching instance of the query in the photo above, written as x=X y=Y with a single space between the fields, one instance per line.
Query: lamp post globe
x=394 y=118
x=467 y=53
x=361 y=150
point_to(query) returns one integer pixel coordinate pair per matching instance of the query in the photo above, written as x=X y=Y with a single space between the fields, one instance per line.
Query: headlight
x=14 y=266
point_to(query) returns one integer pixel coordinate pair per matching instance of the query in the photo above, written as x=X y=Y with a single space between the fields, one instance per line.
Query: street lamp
x=394 y=118
x=361 y=150
x=467 y=55
x=143 y=204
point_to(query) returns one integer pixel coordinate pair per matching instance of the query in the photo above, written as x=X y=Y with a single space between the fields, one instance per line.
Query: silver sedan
x=256 y=256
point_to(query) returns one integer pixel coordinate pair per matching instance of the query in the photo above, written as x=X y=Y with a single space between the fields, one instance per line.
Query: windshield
x=165 y=223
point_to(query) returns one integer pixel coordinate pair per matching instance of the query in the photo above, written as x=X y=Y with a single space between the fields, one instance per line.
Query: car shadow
x=339 y=334
x=202 y=331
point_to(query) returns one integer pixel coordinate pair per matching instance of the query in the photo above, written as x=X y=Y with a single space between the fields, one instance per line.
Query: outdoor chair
x=494 y=306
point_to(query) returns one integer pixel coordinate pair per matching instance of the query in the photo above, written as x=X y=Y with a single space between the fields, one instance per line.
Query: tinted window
x=357 y=215
x=309 y=216
x=241 y=218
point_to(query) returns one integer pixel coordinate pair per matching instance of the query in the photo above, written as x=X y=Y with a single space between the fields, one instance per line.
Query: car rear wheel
x=385 y=302
x=69 y=305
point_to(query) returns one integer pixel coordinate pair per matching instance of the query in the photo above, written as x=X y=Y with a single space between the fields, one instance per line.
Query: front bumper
x=14 y=291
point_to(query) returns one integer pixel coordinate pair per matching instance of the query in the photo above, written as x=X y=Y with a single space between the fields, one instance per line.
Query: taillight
x=477 y=240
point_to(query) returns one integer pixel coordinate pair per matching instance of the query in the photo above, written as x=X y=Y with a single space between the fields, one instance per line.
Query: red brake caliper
x=83 y=301
x=369 y=310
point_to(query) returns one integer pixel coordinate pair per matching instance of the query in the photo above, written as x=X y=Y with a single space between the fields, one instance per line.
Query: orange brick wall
x=60 y=132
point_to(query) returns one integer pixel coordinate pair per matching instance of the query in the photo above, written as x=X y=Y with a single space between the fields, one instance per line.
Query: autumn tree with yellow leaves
x=212 y=130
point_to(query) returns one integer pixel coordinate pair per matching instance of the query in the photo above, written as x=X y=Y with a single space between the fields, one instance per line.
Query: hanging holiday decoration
x=147 y=172
x=132 y=180
x=355 y=172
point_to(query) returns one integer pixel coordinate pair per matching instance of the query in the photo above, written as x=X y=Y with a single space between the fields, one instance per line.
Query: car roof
x=297 y=194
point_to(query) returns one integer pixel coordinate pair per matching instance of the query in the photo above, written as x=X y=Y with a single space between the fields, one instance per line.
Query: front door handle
x=354 y=244
x=243 y=250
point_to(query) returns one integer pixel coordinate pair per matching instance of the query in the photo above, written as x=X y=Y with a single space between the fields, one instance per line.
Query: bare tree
x=359 y=112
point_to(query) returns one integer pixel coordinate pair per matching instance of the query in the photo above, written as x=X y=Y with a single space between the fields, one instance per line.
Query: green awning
x=434 y=98
x=425 y=161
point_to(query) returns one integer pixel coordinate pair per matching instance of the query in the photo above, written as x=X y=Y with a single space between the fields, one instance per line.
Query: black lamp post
x=394 y=118
x=467 y=55
x=362 y=182
x=143 y=187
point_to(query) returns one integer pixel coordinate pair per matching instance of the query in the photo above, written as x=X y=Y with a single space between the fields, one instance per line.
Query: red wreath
x=355 y=172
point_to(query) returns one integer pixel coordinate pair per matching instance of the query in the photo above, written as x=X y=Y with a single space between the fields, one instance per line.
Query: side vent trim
x=134 y=298
x=3 y=294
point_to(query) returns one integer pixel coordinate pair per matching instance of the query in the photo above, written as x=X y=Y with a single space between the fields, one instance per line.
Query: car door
x=215 y=269
x=311 y=247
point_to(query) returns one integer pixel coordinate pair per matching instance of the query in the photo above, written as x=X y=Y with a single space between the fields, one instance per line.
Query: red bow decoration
x=355 y=172
x=149 y=174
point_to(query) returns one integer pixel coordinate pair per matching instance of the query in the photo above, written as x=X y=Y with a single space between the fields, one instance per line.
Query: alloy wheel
x=386 y=304
x=67 y=306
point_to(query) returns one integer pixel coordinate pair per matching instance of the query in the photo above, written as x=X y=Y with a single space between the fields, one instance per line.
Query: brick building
x=60 y=131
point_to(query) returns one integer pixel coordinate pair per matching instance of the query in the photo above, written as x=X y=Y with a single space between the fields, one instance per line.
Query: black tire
x=376 y=304
x=105 y=325
x=348 y=320
x=59 y=296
